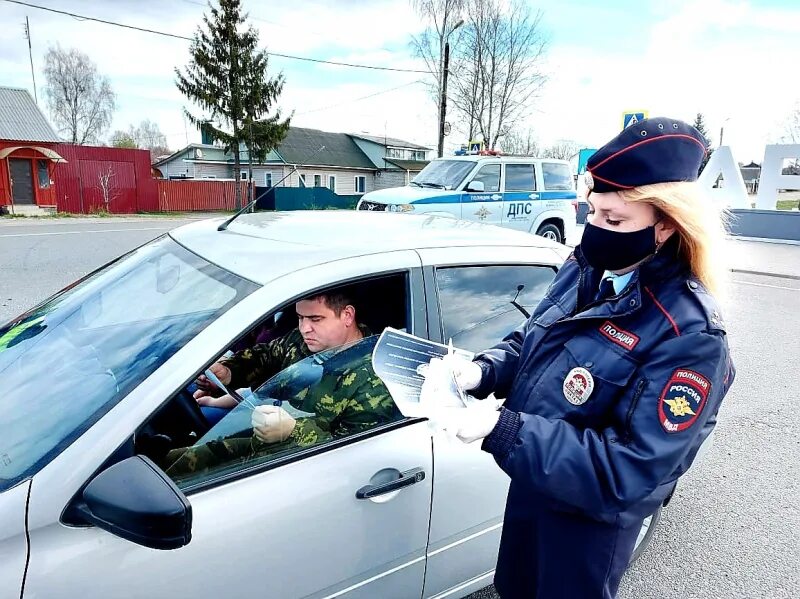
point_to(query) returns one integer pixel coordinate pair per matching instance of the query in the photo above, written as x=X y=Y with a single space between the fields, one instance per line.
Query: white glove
x=466 y=373
x=476 y=422
x=272 y=424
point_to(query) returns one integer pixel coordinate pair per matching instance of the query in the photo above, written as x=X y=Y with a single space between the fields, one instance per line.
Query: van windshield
x=444 y=174
x=68 y=361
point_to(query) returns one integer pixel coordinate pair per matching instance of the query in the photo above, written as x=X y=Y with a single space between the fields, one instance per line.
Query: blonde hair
x=701 y=228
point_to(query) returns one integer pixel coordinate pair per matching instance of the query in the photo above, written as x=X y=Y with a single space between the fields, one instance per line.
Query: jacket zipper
x=636 y=395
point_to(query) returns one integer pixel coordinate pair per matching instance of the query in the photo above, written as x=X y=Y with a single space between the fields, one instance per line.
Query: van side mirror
x=476 y=186
x=135 y=500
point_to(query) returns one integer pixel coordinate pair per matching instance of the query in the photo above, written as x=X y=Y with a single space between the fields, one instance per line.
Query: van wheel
x=645 y=534
x=550 y=231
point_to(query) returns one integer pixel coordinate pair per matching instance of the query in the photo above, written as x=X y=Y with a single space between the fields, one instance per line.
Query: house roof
x=301 y=146
x=389 y=141
x=408 y=165
x=21 y=119
x=162 y=159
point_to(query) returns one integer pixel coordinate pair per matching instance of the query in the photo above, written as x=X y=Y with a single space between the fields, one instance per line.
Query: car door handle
x=534 y=196
x=406 y=479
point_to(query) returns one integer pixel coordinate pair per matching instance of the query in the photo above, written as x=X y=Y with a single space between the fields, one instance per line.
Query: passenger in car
x=349 y=398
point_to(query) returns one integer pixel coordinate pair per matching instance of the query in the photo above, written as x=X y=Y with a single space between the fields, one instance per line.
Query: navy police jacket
x=609 y=400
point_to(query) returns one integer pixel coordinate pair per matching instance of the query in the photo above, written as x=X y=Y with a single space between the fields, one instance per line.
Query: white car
x=535 y=195
x=91 y=373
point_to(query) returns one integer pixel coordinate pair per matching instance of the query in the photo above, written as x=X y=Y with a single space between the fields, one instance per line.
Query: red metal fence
x=176 y=195
x=96 y=178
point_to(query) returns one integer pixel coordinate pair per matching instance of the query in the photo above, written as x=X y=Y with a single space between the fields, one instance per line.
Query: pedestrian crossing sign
x=633 y=117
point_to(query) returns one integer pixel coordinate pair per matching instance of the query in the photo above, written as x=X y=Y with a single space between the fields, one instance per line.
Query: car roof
x=266 y=245
x=501 y=158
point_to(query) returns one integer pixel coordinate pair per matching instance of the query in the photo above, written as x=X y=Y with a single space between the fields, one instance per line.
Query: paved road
x=732 y=528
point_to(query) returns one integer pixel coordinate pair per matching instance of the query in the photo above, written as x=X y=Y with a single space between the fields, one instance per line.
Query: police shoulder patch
x=682 y=400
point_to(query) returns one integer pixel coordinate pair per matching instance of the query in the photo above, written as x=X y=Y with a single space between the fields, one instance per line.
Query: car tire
x=550 y=231
x=646 y=534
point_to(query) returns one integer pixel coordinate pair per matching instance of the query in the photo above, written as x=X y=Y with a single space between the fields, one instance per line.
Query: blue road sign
x=633 y=117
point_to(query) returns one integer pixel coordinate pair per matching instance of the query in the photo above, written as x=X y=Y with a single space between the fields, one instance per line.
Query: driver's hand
x=223 y=401
x=272 y=424
x=206 y=387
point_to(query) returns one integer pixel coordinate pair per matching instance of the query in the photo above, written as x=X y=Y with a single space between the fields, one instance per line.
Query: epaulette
x=708 y=304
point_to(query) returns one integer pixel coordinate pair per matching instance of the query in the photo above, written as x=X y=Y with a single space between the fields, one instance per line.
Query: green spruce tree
x=227 y=78
x=700 y=125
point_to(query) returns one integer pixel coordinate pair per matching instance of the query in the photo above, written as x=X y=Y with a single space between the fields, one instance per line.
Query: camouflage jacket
x=348 y=399
x=253 y=366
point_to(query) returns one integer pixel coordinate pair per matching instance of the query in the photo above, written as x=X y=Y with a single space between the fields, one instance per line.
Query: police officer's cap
x=657 y=150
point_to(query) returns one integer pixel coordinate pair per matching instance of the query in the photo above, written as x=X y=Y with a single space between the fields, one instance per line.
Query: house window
x=302 y=181
x=418 y=155
x=332 y=183
x=360 y=184
x=317 y=180
x=268 y=179
x=44 y=176
x=395 y=153
x=243 y=175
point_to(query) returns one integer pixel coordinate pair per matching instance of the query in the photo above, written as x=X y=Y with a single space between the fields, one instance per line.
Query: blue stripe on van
x=513 y=196
x=448 y=199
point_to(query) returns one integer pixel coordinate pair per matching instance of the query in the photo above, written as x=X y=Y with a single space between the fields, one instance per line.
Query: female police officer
x=615 y=380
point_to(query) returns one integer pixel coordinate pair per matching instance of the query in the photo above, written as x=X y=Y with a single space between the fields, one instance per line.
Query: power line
x=183 y=37
x=385 y=91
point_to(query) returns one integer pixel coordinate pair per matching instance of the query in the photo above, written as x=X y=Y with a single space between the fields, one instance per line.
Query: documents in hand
x=419 y=387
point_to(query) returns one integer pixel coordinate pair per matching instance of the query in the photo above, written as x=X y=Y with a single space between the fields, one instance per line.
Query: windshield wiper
x=415 y=183
x=434 y=185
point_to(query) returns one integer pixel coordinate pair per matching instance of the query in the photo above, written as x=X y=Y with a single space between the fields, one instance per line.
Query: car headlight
x=403 y=208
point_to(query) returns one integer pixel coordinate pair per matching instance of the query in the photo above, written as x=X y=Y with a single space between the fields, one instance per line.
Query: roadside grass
x=788 y=204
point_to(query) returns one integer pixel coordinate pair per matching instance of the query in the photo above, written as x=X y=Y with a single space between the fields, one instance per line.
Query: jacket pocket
x=582 y=384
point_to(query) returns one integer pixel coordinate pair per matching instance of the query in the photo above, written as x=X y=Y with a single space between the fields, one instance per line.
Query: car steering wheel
x=189 y=406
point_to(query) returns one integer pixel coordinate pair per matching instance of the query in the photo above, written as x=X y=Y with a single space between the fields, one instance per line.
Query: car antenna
x=224 y=226
x=516 y=305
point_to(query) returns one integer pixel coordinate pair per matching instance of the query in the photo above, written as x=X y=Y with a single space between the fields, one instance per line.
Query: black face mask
x=612 y=250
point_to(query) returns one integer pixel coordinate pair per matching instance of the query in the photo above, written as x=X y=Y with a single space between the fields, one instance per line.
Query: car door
x=520 y=196
x=474 y=297
x=484 y=206
x=292 y=527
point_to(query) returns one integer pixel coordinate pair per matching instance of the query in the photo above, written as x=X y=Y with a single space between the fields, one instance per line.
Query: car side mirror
x=135 y=500
x=476 y=186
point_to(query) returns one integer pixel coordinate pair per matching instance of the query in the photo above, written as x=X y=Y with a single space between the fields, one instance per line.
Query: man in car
x=348 y=399
x=325 y=321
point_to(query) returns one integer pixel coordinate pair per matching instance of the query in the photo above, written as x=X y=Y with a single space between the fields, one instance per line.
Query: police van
x=528 y=194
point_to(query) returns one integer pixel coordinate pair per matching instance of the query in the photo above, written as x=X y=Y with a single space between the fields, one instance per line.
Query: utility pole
x=443 y=103
x=443 y=99
x=30 y=54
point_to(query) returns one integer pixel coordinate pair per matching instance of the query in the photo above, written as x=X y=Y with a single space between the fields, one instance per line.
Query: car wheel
x=646 y=534
x=550 y=231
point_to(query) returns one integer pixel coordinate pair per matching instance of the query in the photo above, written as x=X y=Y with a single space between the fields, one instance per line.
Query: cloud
x=729 y=59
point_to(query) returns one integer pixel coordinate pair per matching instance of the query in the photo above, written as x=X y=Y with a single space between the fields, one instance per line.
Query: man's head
x=327 y=320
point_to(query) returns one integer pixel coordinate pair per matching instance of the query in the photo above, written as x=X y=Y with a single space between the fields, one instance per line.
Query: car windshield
x=67 y=362
x=444 y=174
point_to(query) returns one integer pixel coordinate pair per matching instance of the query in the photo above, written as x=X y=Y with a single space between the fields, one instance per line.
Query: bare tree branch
x=80 y=100
x=499 y=66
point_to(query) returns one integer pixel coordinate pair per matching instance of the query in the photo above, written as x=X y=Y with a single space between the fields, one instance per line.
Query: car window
x=477 y=303
x=520 y=177
x=69 y=361
x=325 y=397
x=557 y=176
x=443 y=174
x=490 y=176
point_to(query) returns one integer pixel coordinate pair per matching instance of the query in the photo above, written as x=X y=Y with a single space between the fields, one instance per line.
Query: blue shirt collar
x=618 y=281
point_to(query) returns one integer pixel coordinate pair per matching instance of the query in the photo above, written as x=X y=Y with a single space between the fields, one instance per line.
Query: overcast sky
x=736 y=62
